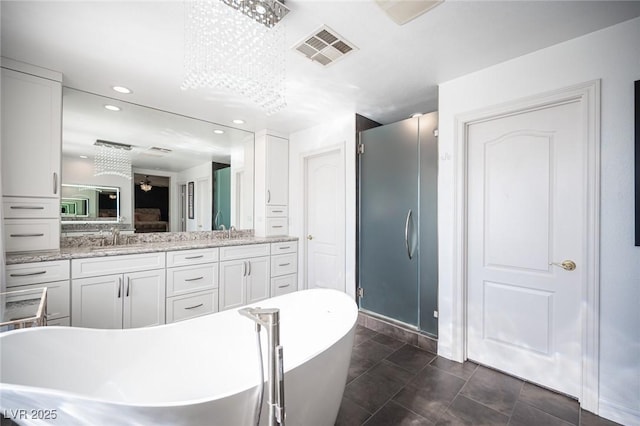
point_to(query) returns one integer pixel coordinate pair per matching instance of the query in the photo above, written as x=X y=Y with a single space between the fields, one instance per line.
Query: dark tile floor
x=391 y=383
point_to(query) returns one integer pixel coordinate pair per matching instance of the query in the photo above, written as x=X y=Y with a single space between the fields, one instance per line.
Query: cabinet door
x=232 y=282
x=258 y=282
x=96 y=302
x=143 y=299
x=277 y=167
x=31 y=135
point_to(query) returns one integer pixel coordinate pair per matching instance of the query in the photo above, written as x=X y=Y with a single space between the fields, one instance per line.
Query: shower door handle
x=406 y=234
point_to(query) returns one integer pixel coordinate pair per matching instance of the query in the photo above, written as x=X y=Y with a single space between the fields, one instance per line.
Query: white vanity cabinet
x=284 y=268
x=31 y=156
x=118 y=291
x=192 y=283
x=244 y=275
x=272 y=185
x=55 y=276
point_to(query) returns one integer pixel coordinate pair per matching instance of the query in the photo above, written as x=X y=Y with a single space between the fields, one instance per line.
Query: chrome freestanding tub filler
x=202 y=371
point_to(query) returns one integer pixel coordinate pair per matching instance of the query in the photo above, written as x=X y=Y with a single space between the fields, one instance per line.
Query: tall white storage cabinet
x=31 y=150
x=272 y=185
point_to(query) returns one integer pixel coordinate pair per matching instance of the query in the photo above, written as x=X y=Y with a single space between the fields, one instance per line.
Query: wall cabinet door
x=144 y=299
x=96 y=302
x=277 y=168
x=31 y=135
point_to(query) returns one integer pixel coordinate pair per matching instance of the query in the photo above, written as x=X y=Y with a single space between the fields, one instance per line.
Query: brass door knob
x=309 y=237
x=567 y=265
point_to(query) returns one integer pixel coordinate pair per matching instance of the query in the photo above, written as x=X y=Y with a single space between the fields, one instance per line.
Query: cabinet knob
x=309 y=237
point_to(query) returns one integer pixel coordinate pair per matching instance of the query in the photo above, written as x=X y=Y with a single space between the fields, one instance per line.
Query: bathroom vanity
x=155 y=283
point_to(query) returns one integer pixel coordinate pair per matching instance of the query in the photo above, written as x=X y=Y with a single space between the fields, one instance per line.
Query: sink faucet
x=231 y=229
x=115 y=234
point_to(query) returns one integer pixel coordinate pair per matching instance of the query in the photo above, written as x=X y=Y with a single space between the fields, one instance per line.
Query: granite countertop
x=135 y=248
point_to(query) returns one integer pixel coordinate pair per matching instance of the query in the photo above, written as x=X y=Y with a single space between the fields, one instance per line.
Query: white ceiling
x=394 y=73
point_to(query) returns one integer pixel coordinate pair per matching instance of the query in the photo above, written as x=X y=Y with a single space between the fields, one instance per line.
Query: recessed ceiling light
x=218 y=131
x=112 y=108
x=84 y=156
x=122 y=89
x=238 y=121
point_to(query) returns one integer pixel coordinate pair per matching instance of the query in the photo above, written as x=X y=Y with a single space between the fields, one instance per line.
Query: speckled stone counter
x=89 y=246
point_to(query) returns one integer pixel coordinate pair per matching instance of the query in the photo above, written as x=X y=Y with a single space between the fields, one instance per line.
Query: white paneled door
x=325 y=220
x=526 y=220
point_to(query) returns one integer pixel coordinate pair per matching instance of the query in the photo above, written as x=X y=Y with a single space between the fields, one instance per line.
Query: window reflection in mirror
x=163 y=145
x=89 y=204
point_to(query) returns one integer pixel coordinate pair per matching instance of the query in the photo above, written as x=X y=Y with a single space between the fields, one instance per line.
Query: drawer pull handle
x=195 y=306
x=195 y=257
x=284 y=286
x=285 y=264
x=193 y=279
x=285 y=248
x=26 y=208
x=28 y=274
x=278 y=226
x=278 y=211
x=27 y=235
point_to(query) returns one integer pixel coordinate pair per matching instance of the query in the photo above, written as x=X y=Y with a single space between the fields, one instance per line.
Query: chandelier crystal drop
x=229 y=44
x=112 y=159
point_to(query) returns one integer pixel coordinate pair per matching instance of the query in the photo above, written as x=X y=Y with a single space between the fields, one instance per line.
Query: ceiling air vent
x=156 y=151
x=324 y=46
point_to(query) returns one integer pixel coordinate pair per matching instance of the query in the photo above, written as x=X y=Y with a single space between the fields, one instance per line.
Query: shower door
x=389 y=209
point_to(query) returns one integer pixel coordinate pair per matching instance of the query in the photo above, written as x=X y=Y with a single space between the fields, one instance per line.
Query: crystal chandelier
x=112 y=158
x=236 y=44
x=145 y=184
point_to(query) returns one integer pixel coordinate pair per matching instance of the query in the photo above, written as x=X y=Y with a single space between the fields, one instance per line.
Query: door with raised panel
x=526 y=225
x=144 y=299
x=96 y=302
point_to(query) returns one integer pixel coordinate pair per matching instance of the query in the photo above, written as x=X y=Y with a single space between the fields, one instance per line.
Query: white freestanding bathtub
x=202 y=371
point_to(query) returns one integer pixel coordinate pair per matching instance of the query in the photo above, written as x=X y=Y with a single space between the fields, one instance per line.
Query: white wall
x=612 y=55
x=80 y=171
x=341 y=131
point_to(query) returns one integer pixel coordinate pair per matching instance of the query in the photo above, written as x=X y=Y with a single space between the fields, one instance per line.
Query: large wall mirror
x=89 y=203
x=186 y=174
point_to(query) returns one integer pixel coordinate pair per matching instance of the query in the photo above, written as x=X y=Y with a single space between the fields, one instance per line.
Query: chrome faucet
x=270 y=319
x=115 y=236
x=231 y=229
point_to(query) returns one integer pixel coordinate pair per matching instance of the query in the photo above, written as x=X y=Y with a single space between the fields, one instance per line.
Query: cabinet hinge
x=436 y=133
x=360 y=292
x=361 y=148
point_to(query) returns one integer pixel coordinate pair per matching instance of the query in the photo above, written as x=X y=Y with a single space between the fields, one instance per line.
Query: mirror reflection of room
x=155 y=154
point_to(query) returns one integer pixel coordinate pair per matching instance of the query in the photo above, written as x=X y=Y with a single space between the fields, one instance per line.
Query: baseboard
x=618 y=413
x=405 y=334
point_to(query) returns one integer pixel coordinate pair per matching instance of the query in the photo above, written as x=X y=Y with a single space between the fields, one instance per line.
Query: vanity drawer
x=97 y=266
x=192 y=305
x=30 y=208
x=284 y=285
x=284 y=264
x=284 y=247
x=187 y=279
x=191 y=257
x=58 y=298
x=31 y=234
x=277 y=226
x=277 y=211
x=37 y=272
x=243 y=252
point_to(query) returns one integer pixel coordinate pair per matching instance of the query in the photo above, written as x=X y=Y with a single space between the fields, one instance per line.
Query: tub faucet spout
x=270 y=319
